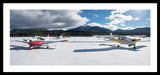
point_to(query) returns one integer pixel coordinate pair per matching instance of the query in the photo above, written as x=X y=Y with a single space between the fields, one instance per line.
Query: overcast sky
x=66 y=19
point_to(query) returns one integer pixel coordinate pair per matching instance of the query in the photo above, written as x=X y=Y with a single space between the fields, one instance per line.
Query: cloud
x=119 y=19
x=140 y=26
x=95 y=24
x=123 y=24
x=51 y=19
x=128 y=28
x=118 y=11
x=137 y=18
x=109 y=26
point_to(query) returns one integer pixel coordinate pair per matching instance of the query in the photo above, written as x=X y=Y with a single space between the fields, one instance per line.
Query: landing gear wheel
x=31 y=48
x=117 y=45
x=47 y=46
x=134 y=47
x=129 y=45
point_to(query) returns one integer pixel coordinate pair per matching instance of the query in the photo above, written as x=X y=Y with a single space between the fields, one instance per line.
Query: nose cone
x=136 y=39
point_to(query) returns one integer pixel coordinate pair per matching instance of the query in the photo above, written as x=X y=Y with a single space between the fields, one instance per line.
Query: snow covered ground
x=80 y=51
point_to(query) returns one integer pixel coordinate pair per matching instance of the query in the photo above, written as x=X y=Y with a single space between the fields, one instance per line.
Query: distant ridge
x=91 y=29
x=137 y=31
x=80 y=31
x=144 y=29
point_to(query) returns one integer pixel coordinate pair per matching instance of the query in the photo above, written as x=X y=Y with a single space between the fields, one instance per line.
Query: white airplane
x=38 y=41
x=118 y=38
x=123 y=40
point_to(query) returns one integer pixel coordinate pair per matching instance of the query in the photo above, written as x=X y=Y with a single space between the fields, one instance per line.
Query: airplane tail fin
x=111 y=34
x=109 y=37
x=48 y=37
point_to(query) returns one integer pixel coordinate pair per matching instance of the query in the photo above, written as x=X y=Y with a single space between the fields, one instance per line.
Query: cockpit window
x=41 y=39
x=122 y=38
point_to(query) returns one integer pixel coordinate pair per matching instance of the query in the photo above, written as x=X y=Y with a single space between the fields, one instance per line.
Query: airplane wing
x=21 y=41
x=47 y=42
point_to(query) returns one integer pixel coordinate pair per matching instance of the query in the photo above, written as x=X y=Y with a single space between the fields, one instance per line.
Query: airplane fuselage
x=125 y=41
x=32 y=43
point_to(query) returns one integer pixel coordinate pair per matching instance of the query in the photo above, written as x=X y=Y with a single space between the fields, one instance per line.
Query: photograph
x=80 y=37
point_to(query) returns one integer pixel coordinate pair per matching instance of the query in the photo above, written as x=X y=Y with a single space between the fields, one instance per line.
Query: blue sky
x=97 y=16
x=67 y=19
x=139 y=18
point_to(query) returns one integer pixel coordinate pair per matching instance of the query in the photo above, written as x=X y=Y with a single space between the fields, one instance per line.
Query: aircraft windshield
x=38 y=38
x=122 y=38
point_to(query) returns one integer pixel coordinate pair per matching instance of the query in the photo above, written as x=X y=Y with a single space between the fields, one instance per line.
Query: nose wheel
x=117 y=45
x=134 y=47
x=129 y=45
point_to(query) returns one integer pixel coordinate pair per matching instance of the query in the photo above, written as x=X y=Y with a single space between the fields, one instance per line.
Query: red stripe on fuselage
x=64 y=41
x=35 y=43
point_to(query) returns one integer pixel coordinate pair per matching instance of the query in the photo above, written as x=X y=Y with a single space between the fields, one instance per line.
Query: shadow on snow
x=113 y=47
x=26 y=48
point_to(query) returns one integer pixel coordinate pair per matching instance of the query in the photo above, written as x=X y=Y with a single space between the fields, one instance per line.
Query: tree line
x=69 y=33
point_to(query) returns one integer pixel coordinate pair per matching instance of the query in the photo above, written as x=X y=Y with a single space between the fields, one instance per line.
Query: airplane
x=38 y=41
x=123 y=40
x=118 y=38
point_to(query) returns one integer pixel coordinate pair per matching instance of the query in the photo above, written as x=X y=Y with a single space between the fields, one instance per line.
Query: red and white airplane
x=38 y=41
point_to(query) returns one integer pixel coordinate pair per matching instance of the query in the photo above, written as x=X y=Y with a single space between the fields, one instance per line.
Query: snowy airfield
x=80 y=51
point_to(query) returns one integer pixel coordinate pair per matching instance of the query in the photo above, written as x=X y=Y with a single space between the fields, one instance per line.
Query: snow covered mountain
x=91 y=29
x=144 y=29
x=141 y=31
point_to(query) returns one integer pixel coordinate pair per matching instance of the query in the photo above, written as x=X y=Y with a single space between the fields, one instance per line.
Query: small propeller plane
x=38 y=41
x=124 y=40
x=116 y=38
